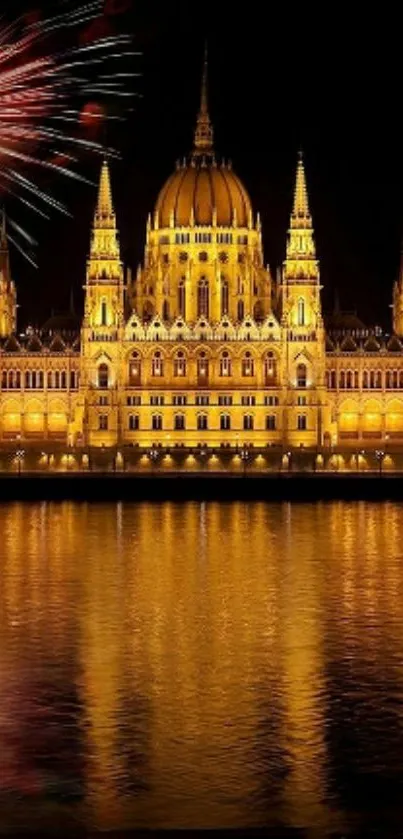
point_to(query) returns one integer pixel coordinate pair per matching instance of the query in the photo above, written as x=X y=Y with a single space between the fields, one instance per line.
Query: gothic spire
x=301 y=216
x=104 y=204
x=203 y=141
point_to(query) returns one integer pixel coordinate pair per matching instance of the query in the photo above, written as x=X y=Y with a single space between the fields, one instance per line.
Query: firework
x=45 y=98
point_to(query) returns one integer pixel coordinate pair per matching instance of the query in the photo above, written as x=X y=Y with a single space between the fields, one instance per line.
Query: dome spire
x=203 y=141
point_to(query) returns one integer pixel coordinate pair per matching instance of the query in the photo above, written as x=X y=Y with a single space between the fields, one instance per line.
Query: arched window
x=73 y=380
x=365 y=379
x=225 y=422
x=342 y=379
x=240 y=310
x=104 y=314
x=378 y=379
x=40 y=379
x=202 y=368
x=11 y=379
x=165 y=310
x=63 y=380
x=17 y=380
x=135 y=369
x=248 y=367
x=179 y=422
x=270 y=422
x=203 y=298
x=224 y=297
x=225 y=364
x=4 y=380
x=103 y=376
x=180 y=364
x=301 y=375
x=156 y=422
x=349 y=379
x=270 y=368
x=27 y=379
x=182 y=298
x=202 y=422
x=157 y=364
x=134 y=422
x=50 y=380
x=301 y=312
x=248 y=422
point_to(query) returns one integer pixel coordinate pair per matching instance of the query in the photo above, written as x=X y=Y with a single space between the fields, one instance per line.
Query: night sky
x=328 y=82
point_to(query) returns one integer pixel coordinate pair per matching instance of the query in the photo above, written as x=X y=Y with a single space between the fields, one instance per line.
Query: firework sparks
x=39 y=93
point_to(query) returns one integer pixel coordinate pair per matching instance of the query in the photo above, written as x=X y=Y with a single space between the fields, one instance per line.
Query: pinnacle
x=104 y=204
x=301 y=206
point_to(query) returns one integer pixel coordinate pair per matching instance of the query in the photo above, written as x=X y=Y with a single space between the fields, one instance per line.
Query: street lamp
x=19 y=457
x=380 y=456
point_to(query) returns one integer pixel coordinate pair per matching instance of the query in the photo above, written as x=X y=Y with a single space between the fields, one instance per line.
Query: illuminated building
x=203 y=348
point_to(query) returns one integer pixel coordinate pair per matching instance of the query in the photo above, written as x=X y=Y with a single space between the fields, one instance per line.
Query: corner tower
x=302 y=326
x=103 y=324
x=203 y=254
x=8 y=298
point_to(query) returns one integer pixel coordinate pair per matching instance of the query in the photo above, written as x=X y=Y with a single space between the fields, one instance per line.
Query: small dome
x=344 y=322
x=200 y=189
x=66 y=322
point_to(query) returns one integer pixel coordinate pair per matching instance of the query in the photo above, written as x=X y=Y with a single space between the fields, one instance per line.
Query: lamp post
x=245 y=458
x=380 y=456
x=20 y=457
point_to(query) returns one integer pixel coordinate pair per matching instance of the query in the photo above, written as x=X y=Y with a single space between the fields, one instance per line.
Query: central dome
x=201 y=192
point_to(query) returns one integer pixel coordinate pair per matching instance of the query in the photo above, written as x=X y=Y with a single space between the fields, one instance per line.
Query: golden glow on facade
x=203 y=349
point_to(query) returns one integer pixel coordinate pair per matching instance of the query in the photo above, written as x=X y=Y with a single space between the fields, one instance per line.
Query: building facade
x=203 y=351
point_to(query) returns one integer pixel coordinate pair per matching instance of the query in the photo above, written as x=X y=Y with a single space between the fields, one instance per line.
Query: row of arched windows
x=38 y=379
x=201 y=422
x=365 y=379
x=180 y=367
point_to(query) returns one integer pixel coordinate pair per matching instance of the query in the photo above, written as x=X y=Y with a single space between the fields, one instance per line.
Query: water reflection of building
x=209 y=659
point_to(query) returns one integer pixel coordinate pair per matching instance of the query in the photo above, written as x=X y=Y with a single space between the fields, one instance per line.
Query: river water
x=202 y=664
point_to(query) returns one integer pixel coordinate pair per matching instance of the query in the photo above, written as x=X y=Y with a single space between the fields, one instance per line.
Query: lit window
x=301 y=375
x=103 y=376
x=179 y=422
x=201 y=399
x=225 y=364
x=301 y=312
x=157 y=365
x=202 y=422
x=180 y=364
x=301 y=400
x=247 y=365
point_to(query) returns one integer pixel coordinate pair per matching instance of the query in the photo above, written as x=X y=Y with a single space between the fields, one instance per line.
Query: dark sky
x=329 y=81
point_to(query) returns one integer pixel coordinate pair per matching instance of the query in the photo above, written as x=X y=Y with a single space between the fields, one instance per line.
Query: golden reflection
x=204 y=644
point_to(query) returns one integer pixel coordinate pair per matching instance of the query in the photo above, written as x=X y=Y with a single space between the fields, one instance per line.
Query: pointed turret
x=104 y=208
x=300 y=216
x=203 y=141
x=8 y=300
x=397 y=305
x=104 y=243
x=301 y=260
